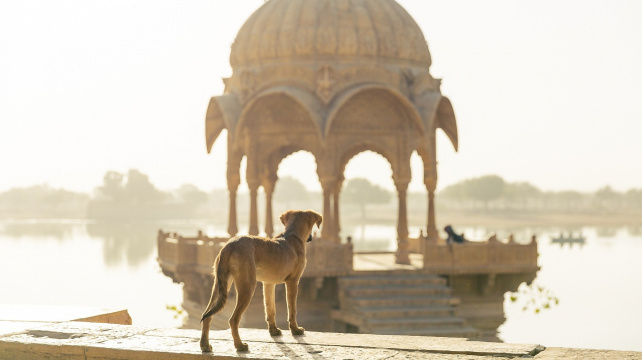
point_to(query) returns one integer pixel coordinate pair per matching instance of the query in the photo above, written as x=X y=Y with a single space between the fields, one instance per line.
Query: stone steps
x=403 y=303
x=392 y=279
x=400 y=299
x=424 y=322
x=377 y=290
x=409 y=312
x=457 y=331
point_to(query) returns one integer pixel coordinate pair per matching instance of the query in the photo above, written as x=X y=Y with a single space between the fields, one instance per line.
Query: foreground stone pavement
x=79 y=340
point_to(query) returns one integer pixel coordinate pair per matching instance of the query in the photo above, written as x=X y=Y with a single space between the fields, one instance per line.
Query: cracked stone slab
x=554 y=353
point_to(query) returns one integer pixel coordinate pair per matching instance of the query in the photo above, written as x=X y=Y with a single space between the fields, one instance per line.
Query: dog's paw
x=275 y=331
x=241 y=347
x=206 y=347
x=297 y=331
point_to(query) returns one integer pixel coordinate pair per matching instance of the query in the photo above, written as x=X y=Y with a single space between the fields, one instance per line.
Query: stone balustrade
x=480 y=257
x=178 y=254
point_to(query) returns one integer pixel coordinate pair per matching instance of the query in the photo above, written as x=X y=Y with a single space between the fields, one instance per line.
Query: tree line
x=492 y=193
x=132 y=195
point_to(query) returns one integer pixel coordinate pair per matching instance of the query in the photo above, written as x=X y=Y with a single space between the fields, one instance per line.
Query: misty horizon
x=554 y=103
x=244 y=189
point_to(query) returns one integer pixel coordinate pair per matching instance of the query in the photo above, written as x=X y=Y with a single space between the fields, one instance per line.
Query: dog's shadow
x=289 y=352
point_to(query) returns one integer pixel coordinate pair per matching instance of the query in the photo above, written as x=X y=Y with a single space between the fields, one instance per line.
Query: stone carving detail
x=325 y=81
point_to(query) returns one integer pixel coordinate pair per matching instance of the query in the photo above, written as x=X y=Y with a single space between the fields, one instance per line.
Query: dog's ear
x=284 y=217
x=319 y=219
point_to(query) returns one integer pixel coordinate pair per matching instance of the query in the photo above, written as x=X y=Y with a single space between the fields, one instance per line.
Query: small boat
x=570 y=239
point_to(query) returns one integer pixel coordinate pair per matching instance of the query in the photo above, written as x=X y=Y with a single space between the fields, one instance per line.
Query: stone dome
x=312 y=30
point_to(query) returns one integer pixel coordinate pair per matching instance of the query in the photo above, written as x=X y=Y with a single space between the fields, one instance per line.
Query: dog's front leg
x=291 y=289
x=270 y=309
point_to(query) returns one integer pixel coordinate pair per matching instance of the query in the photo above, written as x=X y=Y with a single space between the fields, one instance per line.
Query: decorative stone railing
x=178 y=254
x=479 y=257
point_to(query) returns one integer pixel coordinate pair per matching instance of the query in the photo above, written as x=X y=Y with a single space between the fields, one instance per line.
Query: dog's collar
x=285 y=235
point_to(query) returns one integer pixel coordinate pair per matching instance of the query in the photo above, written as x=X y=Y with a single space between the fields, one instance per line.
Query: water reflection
x=606 y=231
x=40 y=231
x=123 y=241
x=634 y=230
x=598 y=278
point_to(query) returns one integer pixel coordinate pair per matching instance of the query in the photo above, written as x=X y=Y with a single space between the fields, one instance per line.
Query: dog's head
x=302 y=221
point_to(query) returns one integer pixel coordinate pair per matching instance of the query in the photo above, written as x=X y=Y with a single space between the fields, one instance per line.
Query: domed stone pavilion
x=333 y=78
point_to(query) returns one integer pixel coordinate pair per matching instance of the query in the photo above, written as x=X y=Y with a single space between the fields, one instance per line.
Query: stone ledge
x=77 y=340
x=51 y=313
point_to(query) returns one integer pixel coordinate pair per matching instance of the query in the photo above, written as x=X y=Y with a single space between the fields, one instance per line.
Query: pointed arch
x=276 y=157
x=307 y=101
x=342 y=100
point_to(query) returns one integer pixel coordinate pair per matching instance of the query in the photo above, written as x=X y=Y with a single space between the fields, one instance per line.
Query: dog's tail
x=220 y=285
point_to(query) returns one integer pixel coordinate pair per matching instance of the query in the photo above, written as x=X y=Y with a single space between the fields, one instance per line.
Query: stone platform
x=83 y=341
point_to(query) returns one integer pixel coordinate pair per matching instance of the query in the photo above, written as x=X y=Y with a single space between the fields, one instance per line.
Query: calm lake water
x=76 y=263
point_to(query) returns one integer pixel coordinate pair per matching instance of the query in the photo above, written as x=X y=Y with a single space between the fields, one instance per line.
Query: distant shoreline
x=469 y=218
x=464 y=218
x=517 y=219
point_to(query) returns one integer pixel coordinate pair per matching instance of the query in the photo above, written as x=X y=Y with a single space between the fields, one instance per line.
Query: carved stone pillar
x=402 y=255
x=254 y=211
x=335 y=214
x=268 y=186
x=232 y=227
x=233 y=181
x=327 y=232
x=431 y=227
x=252 y=176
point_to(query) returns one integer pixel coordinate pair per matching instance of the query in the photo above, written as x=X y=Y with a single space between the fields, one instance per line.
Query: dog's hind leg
x=244 y=293
x=207 y=321
x=217 y=302
x=291 y=289
x=270 y=309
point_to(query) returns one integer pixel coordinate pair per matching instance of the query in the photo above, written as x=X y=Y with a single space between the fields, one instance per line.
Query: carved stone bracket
x=247 y=81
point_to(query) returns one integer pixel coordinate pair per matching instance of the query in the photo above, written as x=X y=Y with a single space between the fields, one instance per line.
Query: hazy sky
x=546 y=91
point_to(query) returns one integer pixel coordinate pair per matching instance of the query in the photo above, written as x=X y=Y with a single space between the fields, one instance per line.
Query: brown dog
x=246 y=259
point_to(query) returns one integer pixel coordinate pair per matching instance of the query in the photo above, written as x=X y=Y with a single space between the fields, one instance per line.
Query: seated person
x=452 y=237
